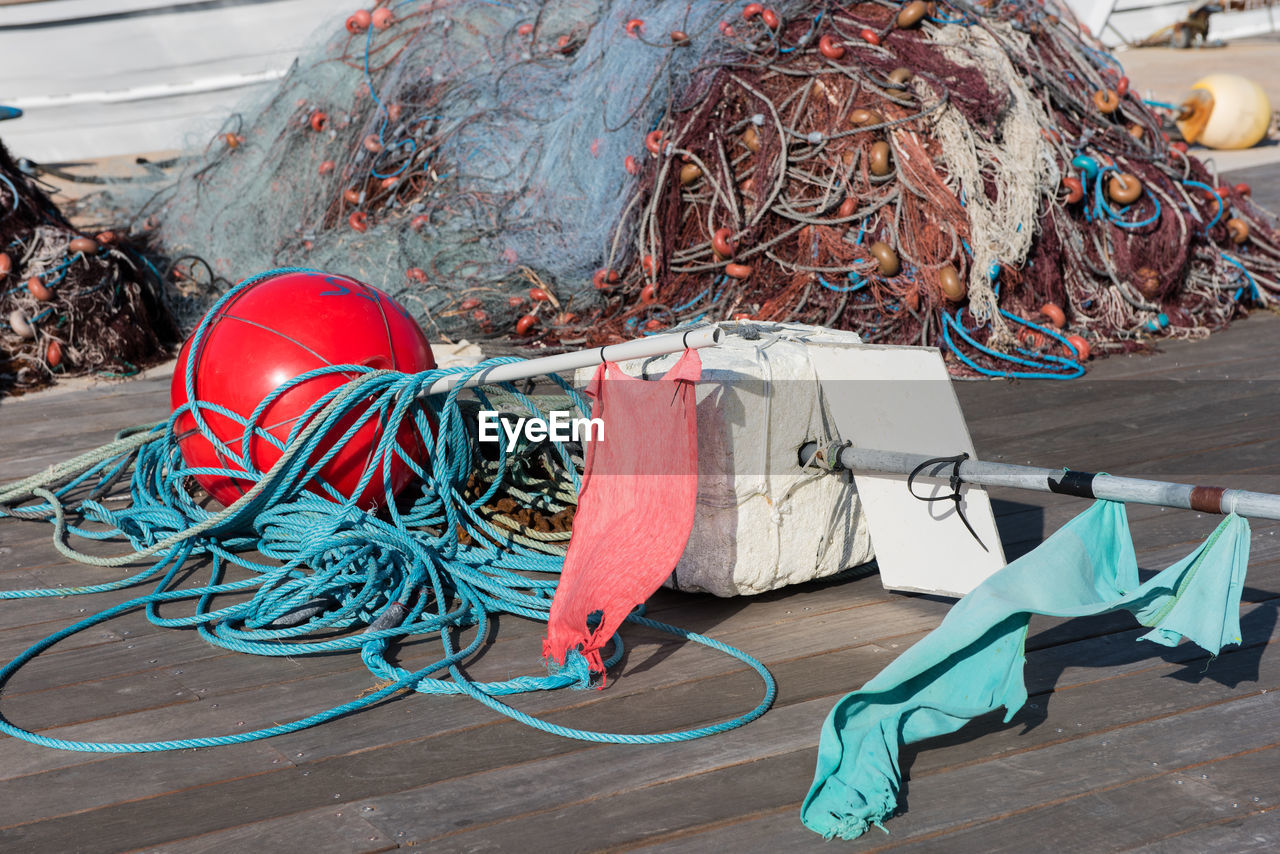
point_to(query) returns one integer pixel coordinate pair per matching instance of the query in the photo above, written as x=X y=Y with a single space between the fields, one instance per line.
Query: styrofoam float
x=763 y=522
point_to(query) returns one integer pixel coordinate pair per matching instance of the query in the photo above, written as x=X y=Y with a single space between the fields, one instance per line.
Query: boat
x=1155 y=22
x=178 y=69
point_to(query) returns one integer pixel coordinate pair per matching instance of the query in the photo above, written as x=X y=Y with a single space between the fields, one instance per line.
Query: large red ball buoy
x=267 y=334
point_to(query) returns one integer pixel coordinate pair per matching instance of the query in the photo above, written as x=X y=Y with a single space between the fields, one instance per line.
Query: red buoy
x=273 y=331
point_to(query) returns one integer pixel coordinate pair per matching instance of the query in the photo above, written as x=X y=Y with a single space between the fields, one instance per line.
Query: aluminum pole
x=640 y=348
x=1205 y=499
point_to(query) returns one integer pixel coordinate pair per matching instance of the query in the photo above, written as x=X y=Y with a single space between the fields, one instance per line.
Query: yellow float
x=1225 y=111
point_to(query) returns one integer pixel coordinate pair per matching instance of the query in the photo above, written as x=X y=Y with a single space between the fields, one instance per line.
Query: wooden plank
x=97 y=699
x=984 y=793
x=468 y=804
x=1256 y=831
x=81 y=789
x=318 y=831
x=616 y=821
x=1265 y=181
x=1117 y=818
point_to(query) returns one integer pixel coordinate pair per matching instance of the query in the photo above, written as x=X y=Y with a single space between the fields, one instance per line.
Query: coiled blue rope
x=332 y=577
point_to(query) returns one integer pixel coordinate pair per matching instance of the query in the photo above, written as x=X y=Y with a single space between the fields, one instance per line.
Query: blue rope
x=1046 y=365
x=1211 y=191
x=13 y=191
x=1253 y=286
x=331 y=577
x=1101 y=208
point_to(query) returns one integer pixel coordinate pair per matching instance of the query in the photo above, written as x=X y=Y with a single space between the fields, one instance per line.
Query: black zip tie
x=955 y=483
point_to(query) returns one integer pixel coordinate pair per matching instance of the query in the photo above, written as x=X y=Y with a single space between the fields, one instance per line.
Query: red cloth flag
x=635 y=509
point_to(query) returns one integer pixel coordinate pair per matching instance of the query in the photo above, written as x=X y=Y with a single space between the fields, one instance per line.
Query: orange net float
x=38 y=290
x=1075 y=189
x=1106 y=100
x=1055 y=314
x=83 y=246
x=1079 y=348
x=1124 y=188
x=721 y=244
x=272 y=331
x=359 y=22
x=1237 y=230
x=830 y=48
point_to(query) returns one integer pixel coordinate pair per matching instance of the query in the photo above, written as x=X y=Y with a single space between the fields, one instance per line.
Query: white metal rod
x=1206 y=499
x=640 y=348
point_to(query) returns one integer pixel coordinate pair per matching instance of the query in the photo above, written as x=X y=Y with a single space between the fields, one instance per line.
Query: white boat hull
x=1120 y=22
x=105 y=77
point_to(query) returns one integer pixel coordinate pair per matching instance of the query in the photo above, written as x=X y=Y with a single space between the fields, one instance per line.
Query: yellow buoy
x=1225 y=111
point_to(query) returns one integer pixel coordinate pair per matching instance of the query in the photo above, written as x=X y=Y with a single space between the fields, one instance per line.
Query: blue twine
x=1211 y=191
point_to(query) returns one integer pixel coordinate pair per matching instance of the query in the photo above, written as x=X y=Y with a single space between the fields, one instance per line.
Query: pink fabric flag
x=635 y=509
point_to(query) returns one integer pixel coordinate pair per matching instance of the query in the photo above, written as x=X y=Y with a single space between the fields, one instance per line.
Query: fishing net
x=974 y=177
x=69 y=303
x=450 y=159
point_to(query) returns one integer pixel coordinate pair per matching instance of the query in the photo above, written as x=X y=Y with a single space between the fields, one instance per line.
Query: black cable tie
x=955 y=483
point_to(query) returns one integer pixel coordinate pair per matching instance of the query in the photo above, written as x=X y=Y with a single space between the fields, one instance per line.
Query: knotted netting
x=976 y=177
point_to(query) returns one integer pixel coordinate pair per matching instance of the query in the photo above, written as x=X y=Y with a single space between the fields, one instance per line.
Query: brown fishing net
x=71 y=304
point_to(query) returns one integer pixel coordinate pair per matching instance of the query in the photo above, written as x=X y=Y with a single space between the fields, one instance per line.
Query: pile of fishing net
x=974 y=177
x=70 y=303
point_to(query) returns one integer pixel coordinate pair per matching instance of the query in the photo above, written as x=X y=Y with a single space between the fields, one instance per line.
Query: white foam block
x=761 y=521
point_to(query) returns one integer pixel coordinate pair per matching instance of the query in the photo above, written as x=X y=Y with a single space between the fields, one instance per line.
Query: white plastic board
x=900 y=399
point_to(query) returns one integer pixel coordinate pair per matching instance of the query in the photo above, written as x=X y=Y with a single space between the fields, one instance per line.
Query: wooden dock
x=1122 y=746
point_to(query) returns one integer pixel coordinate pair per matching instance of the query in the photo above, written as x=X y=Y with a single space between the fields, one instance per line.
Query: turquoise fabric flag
x=973 y=662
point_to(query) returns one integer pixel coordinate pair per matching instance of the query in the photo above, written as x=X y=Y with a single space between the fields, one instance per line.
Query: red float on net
x=273 y=331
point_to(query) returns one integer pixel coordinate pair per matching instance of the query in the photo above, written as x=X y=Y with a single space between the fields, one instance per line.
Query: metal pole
x=640 y=348
x=1205 y=499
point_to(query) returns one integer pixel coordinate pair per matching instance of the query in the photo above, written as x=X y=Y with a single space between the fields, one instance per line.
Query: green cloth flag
x=973 y=662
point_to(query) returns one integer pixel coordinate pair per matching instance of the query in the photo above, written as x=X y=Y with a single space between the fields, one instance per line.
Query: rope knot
x=576 y=666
